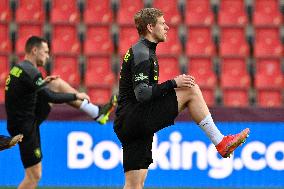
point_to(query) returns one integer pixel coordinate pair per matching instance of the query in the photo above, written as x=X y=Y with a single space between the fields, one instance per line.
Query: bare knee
x=55 y=85
x=33 y=174
x=134 y=185
x=186 y=94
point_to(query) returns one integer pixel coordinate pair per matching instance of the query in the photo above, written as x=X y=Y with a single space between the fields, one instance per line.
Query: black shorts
x=137 y=127
x=30 y=147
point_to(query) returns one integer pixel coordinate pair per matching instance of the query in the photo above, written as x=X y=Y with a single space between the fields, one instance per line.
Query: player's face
x=42 y=54
x=160 y=30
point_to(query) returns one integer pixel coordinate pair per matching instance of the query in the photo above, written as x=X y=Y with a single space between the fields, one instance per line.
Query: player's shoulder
x=140 y=52
x=28 y=68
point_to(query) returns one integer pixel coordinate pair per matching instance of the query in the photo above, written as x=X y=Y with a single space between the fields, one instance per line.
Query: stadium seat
x=127 y=9
x=269 y=98
x=98 y=72
x=4 y=68
x=170 y=9
x=208 y=95
x=5 y=11
x=67 y=68
x=233 y=43
x=234 y=73
x=24 y=32
x=2 y=94
x=235 y=82
x=168 y=68
x=198 y=13
x=99 y=96
x=30 y=11
x=65 y=40
x=5 y=43
x=64 y=11
x=127 y=36
x=235 y=97
x=97 y=12
x=98 y=41
x=267 y=43
x=172 y=46
x=268 y=74
x=267 y=13
x=200 y=42
x=232 y=13
x=202 y=70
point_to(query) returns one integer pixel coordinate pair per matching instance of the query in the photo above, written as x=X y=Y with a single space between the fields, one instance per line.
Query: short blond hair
x=144 y=17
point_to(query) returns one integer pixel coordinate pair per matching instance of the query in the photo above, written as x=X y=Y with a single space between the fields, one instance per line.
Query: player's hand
x=82 y=96
x=50 y=78
x=185 y=81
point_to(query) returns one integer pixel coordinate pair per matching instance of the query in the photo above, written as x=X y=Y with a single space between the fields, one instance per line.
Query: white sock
x=209 y=127
x=90 y=109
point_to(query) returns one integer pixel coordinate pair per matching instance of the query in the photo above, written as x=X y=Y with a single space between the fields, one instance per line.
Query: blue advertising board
x=88 y=154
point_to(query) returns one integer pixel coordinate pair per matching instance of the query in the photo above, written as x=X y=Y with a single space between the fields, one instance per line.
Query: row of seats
x=199 y=41
x=199 y=31
x=192 y=12
x=234 y=81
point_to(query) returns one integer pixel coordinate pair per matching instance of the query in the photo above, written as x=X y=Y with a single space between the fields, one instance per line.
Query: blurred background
x=234 y=49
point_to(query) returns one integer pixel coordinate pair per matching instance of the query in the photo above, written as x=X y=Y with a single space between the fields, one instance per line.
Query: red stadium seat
x=198 y=13
x=200 y=42
x=235 y=97
x=24 y=32
x=235 y=82
x=99 y=95
x=232 y=13
x=64 y=11
x=5 y=43
x=269 y=98
x=5 y=12
x=208 y=95
x=234 y=74
x=65 y=40
x=97 y=12
x=2 y=94
x=67 y=68
x=98 y=40
x=128 y=36
x=268 y=74
x=267 y=43
x=233 y=42
x=127 y=9
x=168 y=68
x=202 y=70
x=267 y=13
x=98 y=72
x=172 y=46
x=4 y=68
x=170 y=10
x=30 y=11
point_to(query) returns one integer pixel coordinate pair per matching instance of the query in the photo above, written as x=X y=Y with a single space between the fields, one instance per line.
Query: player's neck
x=150 y=38
x=31 y=60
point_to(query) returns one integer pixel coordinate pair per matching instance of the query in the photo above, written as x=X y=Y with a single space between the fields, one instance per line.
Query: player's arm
x=56 y=97
x=145 y=92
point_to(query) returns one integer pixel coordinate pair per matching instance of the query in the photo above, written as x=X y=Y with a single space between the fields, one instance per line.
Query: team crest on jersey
x=140 y=77
x=37 y=153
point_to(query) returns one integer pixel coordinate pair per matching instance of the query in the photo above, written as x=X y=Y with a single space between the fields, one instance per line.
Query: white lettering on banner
x=74 y=149
x=114 y=155
x=177 y=154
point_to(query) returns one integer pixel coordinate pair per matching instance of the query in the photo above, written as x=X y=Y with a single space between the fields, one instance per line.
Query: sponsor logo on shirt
x=140 y=77
x=39 y=82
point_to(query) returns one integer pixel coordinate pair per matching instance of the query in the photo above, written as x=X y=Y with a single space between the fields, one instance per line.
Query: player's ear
x=34 y=50
x=150 y=28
